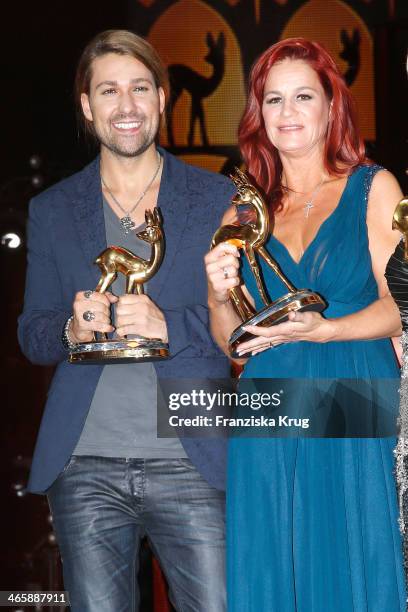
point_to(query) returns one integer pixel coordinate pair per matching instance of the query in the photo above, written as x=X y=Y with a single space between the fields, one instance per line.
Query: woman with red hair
x=312 y=522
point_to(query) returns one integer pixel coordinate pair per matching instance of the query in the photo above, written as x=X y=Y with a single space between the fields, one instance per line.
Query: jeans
x=101 y=509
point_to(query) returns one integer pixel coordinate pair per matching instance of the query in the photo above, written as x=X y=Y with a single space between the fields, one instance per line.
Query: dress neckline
x=320 y=228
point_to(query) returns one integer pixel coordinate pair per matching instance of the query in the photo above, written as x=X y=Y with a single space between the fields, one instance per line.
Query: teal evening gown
x=312 y=524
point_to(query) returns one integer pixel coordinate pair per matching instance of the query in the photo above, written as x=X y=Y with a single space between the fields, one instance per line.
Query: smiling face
x=123 y=104
x=295 y=108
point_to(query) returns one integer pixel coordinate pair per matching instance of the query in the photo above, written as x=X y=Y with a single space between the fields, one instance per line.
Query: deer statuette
x=400 y=222
x=250 y=237
x=137 y=270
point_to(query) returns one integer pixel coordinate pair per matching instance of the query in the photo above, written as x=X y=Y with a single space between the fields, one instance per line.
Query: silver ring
x=88 y=315
x=88 y=293
x=225 y=272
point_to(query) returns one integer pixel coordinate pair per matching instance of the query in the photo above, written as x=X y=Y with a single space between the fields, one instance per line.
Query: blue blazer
x=66 y=232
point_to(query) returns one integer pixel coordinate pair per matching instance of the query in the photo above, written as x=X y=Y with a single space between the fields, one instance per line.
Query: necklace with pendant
x=310 y=203
x=126 y=222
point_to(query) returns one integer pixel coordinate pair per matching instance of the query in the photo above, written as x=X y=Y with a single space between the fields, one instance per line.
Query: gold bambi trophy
x=251 y=237
x=113 y=260
x=400 y=222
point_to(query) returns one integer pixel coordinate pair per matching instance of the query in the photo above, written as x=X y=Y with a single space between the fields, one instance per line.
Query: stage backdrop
x=210 y=46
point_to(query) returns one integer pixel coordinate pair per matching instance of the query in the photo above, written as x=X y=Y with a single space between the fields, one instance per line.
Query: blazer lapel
x=89 y=218
x=174 y=204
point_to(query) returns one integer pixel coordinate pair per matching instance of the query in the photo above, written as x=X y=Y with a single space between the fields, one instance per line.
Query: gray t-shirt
x=122 y=419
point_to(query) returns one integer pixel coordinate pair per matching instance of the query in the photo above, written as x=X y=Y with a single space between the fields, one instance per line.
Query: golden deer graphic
x=137 y=270
x=400 y=222
x=250 y=237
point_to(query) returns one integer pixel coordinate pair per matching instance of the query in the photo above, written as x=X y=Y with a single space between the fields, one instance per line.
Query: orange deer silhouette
x=198 y=86
x=351 y=54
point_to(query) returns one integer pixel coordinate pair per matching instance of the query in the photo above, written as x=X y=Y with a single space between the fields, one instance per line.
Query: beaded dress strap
x=370 y=172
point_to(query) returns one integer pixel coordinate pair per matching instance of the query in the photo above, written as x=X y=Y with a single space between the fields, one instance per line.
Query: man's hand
x=137 y=314
x=99 y=305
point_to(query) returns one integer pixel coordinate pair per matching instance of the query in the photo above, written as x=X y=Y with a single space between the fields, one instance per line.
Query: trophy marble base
x=277 y=312
x=119 y=351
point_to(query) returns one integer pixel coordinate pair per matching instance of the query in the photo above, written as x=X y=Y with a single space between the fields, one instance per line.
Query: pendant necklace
x=309 y=204
x=126 y=221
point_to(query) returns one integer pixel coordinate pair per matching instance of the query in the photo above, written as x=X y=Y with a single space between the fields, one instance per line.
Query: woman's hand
x=301 y=326
x=222 y=265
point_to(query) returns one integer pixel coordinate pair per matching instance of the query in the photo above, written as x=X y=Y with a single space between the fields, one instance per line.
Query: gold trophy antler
x=400 y=222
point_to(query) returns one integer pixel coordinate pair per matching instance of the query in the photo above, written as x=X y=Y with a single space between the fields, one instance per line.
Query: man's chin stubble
x=119 y=151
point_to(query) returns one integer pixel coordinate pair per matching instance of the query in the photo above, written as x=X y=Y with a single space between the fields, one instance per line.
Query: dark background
x=39 y=48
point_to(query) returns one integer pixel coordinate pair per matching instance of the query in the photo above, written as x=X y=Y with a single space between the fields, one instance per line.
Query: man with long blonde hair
x=110 y=479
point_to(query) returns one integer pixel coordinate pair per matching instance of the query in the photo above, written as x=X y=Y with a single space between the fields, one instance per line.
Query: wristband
x=65 y=339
